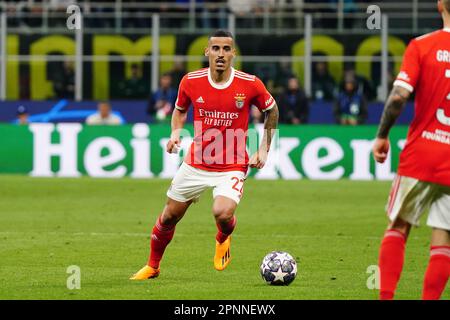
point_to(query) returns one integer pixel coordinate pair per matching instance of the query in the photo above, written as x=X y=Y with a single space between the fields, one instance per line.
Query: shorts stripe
x=393 y=194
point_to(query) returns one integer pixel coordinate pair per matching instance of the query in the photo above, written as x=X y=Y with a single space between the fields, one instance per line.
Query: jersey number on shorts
x=236 y=184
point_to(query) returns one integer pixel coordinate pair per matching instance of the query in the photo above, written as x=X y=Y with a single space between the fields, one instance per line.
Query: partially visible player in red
x=423 y=179
x=221 y=98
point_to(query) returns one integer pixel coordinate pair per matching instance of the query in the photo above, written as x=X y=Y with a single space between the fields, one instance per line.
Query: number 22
x=235 y=186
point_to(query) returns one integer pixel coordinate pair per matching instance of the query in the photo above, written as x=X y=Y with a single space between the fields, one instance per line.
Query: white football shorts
x=189 y=183
x=410 y=198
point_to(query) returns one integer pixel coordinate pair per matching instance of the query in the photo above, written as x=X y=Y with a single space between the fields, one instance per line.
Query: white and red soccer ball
x=278 y=268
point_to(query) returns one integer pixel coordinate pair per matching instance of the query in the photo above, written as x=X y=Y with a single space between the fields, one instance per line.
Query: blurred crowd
x=348 y=97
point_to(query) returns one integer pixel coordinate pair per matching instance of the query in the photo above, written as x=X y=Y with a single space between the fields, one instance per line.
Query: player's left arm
x=392 y=110
x=403 y=87
x=258 y=160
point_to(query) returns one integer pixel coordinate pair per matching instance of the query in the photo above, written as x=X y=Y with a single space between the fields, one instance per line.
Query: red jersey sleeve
x=183 y=101
x=410 y=70
x=263 y=100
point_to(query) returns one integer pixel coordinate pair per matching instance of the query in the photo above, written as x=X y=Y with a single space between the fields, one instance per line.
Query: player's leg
x=391 y=257
x=227 y=193
x=438 y=270
x=164 y=229
x=223 y=210
x=408 y=199
x=162 y=234
x=185 y=189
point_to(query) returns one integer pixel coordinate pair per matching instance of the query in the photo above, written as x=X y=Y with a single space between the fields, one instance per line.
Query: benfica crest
x=240 y=99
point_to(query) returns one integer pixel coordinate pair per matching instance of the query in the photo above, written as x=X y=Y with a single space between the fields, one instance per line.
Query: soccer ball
x=278 y=268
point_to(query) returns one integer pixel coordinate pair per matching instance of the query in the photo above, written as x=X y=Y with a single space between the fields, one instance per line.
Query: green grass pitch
x=332 y=228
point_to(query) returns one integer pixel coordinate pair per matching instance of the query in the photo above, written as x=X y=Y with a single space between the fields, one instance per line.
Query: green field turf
x=102 y=226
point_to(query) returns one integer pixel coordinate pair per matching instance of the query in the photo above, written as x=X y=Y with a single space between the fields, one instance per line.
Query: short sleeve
x=263 y=100
x=183 y=101
x=410 y=70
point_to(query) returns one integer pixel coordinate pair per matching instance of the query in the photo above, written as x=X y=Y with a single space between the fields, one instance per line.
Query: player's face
x=220 y=52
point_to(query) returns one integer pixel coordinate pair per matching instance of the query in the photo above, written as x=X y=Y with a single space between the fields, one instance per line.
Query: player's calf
x=223 y=210
x=438 y=270
x=391 y=258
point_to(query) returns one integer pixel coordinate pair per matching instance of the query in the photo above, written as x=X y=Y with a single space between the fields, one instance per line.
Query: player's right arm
x=392 y=110
x=178 y=121
x=179 y=116
x=403 y=87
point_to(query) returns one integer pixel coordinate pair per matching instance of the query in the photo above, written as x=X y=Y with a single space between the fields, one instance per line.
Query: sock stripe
x=440 y=251
x=394 y=233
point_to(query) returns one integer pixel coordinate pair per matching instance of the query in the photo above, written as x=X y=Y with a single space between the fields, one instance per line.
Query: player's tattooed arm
x=270 y=125
x=393 y=108
x=258 y=159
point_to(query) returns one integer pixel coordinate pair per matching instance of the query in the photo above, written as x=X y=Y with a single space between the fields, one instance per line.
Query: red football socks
x=391 y=259
x=224 y=230
x=161 y=236
x=437 y=273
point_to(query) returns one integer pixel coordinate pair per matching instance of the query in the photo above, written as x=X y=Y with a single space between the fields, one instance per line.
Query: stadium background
x=59 y=75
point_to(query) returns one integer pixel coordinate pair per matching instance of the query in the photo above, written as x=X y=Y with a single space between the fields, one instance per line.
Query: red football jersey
x=221 y=115
x=426 y=69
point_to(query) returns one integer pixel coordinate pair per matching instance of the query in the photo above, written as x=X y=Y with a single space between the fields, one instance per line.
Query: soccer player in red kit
x=221 y=98
x=423 y=179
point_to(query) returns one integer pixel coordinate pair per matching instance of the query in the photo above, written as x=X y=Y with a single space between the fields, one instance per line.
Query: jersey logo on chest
x=240 y=100
x=200 y=100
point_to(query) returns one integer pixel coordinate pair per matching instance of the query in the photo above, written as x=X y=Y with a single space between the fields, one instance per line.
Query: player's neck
x=446 y=18
x=220 y=77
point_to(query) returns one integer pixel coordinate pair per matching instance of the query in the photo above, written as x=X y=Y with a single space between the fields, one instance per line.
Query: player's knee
x=401 y=226
x=223 y=213
x=172 y=214
x=440 y=237
x=169 y=217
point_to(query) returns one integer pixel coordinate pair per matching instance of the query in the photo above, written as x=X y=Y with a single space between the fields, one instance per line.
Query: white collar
x=220 y=86
x=446 y=29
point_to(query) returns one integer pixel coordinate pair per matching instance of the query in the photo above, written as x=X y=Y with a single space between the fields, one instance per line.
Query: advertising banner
x=314 y=152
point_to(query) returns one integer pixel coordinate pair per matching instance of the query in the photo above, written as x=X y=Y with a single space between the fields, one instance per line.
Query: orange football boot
x=145 y=273
x=222 y=257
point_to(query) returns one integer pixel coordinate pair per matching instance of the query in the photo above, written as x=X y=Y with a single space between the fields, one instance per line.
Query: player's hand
x=173 y=145
x=258 y=159
x=380 y=149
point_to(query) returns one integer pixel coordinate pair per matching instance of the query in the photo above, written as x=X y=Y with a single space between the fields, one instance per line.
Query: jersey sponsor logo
x=269 y=101
x=447 y=73
x=403 y=76
x=443 y=56
x=218 y=118
x=218 y=114
x=200 y=100
x=437 y=136
x=240 y=100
